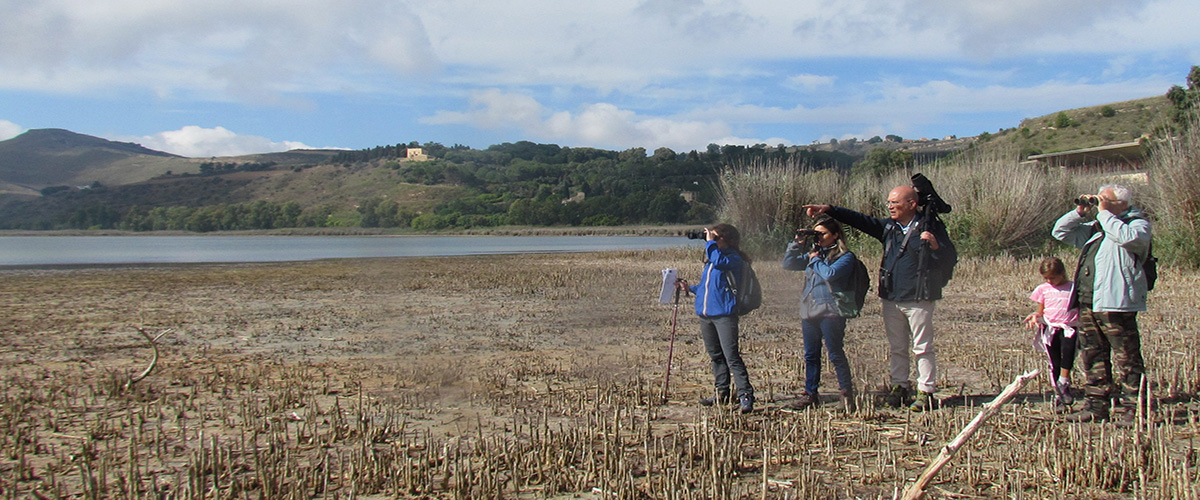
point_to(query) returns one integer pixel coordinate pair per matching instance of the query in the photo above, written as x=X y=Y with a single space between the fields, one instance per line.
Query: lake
x=75 y=250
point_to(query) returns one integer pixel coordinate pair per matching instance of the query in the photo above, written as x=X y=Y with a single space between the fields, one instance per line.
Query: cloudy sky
x=227 y=77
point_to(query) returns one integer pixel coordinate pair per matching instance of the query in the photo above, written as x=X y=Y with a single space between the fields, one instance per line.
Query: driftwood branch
x=917 y=490
x=153 y=361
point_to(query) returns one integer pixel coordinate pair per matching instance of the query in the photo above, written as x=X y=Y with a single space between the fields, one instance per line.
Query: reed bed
x=533 y=377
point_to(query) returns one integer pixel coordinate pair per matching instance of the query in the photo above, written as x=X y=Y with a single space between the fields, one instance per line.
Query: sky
x=231 y=77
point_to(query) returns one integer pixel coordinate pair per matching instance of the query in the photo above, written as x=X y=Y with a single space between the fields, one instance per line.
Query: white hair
x=1121 y=192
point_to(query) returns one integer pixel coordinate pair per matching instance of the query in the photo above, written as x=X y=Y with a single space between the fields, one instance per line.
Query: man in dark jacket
x=911 y=279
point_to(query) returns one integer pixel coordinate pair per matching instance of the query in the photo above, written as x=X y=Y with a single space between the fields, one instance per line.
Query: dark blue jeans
x=833 y=331
x=720 y=334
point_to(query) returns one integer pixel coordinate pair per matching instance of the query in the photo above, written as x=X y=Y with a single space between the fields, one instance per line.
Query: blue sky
x=228 y=77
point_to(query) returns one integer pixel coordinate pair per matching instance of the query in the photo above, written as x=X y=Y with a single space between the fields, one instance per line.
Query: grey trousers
x=720 y=334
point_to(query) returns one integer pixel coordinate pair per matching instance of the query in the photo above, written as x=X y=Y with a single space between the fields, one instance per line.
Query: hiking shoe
x=896 y=397
x=923 y=402
x=1064 y=392
x=804 y=400
x=746 y=402
x=722 y=398
x=846 y=402
x=1093 y=411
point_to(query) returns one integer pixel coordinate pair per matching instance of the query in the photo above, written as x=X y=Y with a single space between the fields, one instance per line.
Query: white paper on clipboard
x=668 y=286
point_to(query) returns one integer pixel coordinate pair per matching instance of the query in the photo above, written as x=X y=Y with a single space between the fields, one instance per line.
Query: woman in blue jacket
x=828 y=267
x=716 y=305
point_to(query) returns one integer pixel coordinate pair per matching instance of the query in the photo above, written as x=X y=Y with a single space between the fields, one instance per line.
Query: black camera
x=1088 y=200
x=928 y=197
x=694 y=235
x=885 y=282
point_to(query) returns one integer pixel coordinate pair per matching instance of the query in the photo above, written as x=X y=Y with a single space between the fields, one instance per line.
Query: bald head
x=902 y=204
x=903 y=193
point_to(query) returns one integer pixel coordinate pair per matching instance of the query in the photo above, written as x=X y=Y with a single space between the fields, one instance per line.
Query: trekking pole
x=671 y=348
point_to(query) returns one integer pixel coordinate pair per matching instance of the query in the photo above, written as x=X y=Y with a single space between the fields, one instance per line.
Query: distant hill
x=1088 y=127
x=45 y=157
x=52 y=157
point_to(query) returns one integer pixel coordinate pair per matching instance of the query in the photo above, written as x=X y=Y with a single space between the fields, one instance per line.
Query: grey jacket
x=1120 y=283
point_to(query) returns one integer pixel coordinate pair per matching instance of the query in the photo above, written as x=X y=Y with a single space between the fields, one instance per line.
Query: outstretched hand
x=1031 y=321
x=815 y=210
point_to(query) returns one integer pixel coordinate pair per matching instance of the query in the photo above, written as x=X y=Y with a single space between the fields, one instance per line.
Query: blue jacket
x=821 y=279
x=903 y=262
x=713 y=295
x=1120 y=283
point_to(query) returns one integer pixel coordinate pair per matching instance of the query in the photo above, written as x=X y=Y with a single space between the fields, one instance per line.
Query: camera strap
x=887 y=245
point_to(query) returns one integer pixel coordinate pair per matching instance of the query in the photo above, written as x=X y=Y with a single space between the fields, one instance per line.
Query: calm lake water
x=57 y=250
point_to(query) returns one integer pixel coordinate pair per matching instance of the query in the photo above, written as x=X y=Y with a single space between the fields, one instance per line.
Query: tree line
x=521 y=183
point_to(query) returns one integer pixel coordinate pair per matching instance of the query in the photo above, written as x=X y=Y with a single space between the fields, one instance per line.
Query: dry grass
x=530 y=377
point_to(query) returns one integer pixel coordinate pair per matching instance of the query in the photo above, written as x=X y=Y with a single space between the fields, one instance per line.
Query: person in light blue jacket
x=1110 y=289
x=828 y=267
x=716 y=305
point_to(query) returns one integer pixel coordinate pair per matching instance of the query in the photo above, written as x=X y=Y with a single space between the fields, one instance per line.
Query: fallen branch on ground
x=917 y=490
x=153 y=361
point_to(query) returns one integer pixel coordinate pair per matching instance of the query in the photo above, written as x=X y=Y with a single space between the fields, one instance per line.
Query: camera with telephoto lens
x=1087 y=200
x=694 y=235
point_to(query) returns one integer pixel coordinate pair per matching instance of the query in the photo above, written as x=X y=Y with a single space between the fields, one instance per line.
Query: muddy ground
x=532 y=376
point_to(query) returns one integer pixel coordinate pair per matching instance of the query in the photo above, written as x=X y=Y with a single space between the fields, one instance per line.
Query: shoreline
x=669 y=230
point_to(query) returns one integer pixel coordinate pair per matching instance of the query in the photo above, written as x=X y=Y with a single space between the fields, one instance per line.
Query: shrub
x=1174 y=168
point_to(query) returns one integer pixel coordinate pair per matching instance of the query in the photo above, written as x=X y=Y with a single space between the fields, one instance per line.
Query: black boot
x=722 y=398
x=1094 y=410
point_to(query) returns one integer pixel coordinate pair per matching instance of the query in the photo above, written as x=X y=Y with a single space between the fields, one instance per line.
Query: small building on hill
x=1122 y=157
x=416 y=154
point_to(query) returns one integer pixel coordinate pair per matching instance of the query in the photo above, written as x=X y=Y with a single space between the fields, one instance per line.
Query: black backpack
x=860 y=279
x=747 y=291
x=1150 y=267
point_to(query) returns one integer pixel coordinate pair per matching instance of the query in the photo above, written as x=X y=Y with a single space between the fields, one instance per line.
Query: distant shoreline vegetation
x=635 y=230
x=521 y=184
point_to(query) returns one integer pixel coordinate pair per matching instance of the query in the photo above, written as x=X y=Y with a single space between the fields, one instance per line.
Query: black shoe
x=897 y=397
x=846 y=402
x=722 y=398
x=923 y=402
x=746 y=402
x=1091 y=412
x=804 y=400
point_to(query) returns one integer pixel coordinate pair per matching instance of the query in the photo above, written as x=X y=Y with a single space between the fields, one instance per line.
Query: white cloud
x=8 y=130
x=597 y=125
x=198 y=142
x=808 y=81
x=238 y=47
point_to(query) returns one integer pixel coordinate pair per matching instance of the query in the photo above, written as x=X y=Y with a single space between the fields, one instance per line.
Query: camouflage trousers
x=1111 y=334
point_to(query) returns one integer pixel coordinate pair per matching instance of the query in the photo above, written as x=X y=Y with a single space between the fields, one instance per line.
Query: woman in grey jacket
x=828 y=267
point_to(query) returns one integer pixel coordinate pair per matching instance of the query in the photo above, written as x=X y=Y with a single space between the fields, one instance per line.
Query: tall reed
x=999 y=205
x=1174 y=170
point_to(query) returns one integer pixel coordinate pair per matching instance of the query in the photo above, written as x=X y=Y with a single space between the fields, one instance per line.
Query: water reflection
x=57 y=250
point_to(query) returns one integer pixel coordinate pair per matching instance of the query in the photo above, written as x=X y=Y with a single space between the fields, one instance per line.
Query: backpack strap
x=891 y=229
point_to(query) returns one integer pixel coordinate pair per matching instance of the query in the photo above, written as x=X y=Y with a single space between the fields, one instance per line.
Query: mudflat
x=532 y=376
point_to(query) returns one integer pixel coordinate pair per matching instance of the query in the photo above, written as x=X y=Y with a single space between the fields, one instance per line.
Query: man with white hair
x=1110 y=289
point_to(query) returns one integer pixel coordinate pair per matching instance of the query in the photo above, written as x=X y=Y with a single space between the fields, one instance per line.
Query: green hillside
x=1084 y=127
